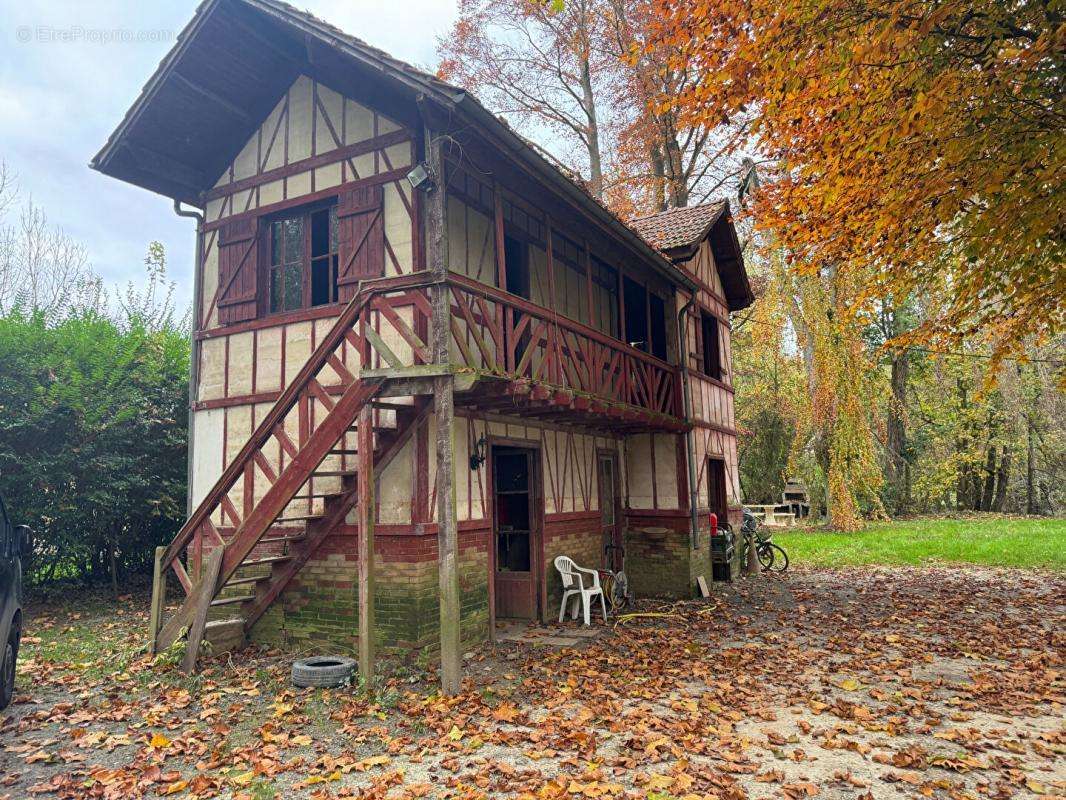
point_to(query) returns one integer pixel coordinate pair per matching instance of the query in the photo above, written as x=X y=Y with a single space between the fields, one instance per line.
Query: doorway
x=516 y=532
x=716 y=494
x=607 y=474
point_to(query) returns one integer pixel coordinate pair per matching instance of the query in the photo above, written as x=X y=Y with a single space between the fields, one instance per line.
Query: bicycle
x=615 y=585
x=772 y=556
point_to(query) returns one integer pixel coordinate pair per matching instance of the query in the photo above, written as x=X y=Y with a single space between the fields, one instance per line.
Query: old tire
x=322 y=671
x=7 y=675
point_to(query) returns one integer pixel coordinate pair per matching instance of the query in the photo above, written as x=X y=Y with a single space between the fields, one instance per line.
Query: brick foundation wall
x=320 y=606
x=577 y=535
x=659 y=554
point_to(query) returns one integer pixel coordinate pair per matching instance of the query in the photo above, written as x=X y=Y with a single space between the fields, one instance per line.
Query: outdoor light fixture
x=477 y=458
x=421 y=177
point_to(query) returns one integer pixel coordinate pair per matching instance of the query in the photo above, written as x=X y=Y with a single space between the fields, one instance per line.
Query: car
x=15 y=542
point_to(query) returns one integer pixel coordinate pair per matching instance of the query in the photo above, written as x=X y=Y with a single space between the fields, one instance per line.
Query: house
x=426 y=362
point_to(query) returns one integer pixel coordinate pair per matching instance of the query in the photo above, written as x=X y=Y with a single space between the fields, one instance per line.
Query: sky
x=69 y=70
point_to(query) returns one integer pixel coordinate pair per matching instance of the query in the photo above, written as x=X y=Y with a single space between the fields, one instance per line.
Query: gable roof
x=236 y=57
x=678 y=233
x=679 y=227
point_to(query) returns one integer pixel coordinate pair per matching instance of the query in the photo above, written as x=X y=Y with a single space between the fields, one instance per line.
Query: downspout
x=682 y=329
x=194 y=346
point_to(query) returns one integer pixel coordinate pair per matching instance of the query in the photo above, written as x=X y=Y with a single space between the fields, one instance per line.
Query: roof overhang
x=233 y=61
x=728 y=256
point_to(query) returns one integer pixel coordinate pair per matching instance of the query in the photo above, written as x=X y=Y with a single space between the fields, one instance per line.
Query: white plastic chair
x=574 y=587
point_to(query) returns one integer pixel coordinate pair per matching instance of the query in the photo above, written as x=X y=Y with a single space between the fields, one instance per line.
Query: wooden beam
x=205 y=592
x=211 y=96
x=444 y=411
x=367 y=512
x=159 y=592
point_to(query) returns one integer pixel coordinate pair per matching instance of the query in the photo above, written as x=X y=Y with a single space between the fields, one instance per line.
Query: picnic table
x=772 y=516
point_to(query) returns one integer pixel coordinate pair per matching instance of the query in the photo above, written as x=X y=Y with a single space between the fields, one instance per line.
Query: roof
x=208 y=92
x=679 y=227
x=678 y=233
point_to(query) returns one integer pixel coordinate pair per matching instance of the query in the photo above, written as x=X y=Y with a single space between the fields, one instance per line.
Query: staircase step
x=316 y=495
x=344 y=452
x=242 y=581
x=275 y=539
x=230 y=601
x=299 y=518
x=339 y=473
x=257 y=562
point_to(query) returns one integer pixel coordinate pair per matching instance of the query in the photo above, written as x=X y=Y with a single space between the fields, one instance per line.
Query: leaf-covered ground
x=862 y=683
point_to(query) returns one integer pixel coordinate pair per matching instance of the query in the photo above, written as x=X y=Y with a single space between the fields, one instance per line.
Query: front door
x=516 y=532
x=607 y=473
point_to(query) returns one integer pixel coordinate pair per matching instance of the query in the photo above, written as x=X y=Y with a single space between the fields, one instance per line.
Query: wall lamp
x=477 y=458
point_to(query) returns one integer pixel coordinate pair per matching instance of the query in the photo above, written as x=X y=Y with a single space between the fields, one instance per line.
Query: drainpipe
x=682 y=329
x=194 y=347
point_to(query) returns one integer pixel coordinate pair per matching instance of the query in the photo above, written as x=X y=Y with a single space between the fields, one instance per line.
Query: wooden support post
x=444 y=413
x=204 y=592
x=447 y=538
x=159 y=593
x=365 y=478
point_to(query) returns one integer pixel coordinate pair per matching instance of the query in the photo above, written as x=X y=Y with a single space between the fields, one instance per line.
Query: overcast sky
x=59 y=100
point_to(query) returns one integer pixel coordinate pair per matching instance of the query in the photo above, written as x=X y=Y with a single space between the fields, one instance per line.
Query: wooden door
x=516 y=532
x=607 y=473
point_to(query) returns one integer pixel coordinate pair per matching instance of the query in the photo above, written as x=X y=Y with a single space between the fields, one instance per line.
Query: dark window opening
x=605 y=297
x=324 y=256
x=635 y=305
x=516 y=264
x=657 y=314
x=303 y=260
x=513 y=510
x=712 y=352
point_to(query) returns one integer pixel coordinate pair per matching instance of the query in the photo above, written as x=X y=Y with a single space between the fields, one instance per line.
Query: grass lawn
x=994 y=542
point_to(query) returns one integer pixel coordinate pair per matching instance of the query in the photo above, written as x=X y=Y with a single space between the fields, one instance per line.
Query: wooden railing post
x=159 y=591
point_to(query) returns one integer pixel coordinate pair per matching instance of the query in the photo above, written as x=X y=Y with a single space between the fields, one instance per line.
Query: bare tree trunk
x=896 y=434
x=593 y=133
x=1030 y=465
x=963 y=497
x=1002 y=478
x=990 y=480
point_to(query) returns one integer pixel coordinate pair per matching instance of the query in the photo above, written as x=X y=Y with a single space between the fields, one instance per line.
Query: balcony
x=516 y=358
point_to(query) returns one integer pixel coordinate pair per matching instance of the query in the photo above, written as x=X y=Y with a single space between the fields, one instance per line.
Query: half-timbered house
x=425 y=361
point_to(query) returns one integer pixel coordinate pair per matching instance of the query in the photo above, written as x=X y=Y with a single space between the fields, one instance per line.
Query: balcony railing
x=503 y=334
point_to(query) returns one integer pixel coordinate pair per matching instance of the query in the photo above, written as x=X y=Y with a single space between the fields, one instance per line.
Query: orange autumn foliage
x=919 y=143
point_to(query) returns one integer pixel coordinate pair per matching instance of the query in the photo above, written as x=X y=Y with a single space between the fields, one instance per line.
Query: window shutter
x=237 y=267
x=361 y=240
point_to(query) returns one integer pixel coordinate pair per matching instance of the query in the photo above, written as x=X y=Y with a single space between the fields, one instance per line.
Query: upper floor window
x=302 y=259
x=712 y=349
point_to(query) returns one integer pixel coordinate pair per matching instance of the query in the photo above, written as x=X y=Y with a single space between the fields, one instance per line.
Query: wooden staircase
x=242 y=546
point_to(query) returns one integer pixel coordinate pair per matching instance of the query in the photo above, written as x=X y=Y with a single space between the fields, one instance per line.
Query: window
x=712 y=353
x=302 y=260
x=645 y=319
x=635 y=302
x=657 y=317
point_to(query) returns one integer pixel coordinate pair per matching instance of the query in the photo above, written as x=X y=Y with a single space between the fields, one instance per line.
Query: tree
x=539 y=65
x=93 y=426
x=920 y=146
x=663 y=159
x=42 y=268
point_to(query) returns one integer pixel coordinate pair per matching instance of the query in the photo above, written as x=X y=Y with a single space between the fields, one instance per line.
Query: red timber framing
x=286 y=451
